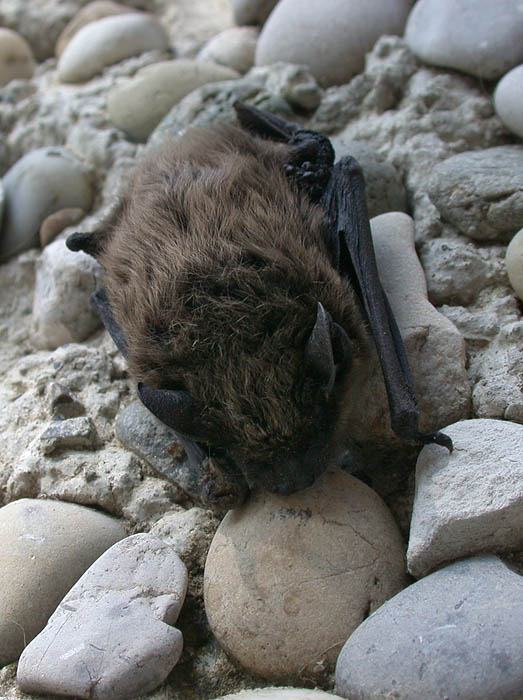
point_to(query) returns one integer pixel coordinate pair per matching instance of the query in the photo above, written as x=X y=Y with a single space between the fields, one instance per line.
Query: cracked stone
x=90 y=647
x=69 y=434
x=62 y=404
x=288 y=578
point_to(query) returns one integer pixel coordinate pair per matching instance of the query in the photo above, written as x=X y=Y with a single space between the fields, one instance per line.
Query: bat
x=241 y=285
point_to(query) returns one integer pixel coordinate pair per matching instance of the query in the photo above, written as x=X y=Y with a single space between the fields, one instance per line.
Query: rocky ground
x=429 y=101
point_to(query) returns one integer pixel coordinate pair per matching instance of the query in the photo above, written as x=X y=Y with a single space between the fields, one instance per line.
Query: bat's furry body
x=214 y=266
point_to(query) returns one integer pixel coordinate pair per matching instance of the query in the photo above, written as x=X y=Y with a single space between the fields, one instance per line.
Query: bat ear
x=175 y=408
x=328 y=350
x=88 y=242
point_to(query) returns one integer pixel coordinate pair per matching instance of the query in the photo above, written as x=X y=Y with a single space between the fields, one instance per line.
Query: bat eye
x=175 y=408
x=328 y=350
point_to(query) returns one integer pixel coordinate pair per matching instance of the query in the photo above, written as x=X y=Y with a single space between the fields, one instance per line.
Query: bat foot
x=220 y=491
x=310 y=162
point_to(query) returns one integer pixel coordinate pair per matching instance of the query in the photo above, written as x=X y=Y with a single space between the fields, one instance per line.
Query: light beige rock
x=281 y=694
x=16 y=57
x=107 y=41
x=45 y=546
x=288 y=579
x=469 y=501
x=330 y=36
x=514 y=263
x=233 y=48
x=89 y=13
x=139 y=105
x=508 y=100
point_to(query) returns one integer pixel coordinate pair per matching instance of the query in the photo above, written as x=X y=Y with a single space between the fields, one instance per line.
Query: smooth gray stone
x=42 y=182
x=454 y=634
x=112 y=637
x=480 y=37
x=157 y=445
x=514 y=263
x=252 y=11
x=508 y=100
x=481 y=192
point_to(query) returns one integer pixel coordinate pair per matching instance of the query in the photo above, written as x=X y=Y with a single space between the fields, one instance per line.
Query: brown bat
x=242 y=287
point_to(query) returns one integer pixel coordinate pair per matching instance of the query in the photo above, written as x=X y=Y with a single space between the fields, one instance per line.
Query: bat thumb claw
x=438 y=439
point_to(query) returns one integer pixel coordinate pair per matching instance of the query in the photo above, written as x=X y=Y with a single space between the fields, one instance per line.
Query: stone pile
x=435 y=120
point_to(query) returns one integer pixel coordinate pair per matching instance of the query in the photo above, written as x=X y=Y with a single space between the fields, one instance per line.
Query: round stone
x=89 y=13
x=57 y=222
x=508 y=100
x=252 y=11
x=330 y=36
x=281 y=694
x=40 y=183
x=139 y=105
x=16 y=57
x=514 y=263
x=479 y=37
x=45 y=546
x=288 y=578
x=107 y=41
x=234 y=48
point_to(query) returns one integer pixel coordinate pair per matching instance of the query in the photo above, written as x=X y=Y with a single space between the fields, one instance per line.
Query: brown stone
x=55 y=223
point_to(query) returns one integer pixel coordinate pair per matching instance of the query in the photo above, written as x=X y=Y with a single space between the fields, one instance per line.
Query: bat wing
x=340 y=190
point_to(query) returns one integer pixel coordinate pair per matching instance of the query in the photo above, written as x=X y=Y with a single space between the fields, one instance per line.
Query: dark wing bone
x=342 y=196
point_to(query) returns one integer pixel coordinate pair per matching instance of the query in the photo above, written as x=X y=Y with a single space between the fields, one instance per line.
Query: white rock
x=474 y=36
x=233 y=48
x=471 y=500
x=45 y=546
x=107 y=41
x=40 y=183
x=97 y=9
x=508 y=100
x=281 y=694
x=514 y=263
x=113 y=635
x=61 y=309
x=252 y=11
x=295 y=84
x=287 y=579
x=16 y=57
x=138 y=106
x=330 y=36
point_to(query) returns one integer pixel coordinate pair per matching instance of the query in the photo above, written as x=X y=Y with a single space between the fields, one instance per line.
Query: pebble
x=55 y=223
x=154 y=442
x=88 y=13
x=478 y=37
x=45 y=546
x=508 y=100
x=138 y=105
x=16 y=57
x=281 y=694
x=480 y=192
x=470 y=500
x=107 y=41
x=252 y=11
x=330 y=36
x=384 y=188
x=233 y=48
x=69 y=434
x=62 y=403
x=435 y=348
x=113 y=635
x=287 y=578
x=295 y=84
x=40 y=183
x=454 y=634
x=514 y=263
x=62 y=274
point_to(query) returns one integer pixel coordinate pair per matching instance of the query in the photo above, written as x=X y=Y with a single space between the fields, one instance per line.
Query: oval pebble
x=330 y=36
x=287 y=579
x=454 y=634
x=281 y=694
x=55 y=223
x=479 y=37
x=16 y=57
x=40 y=183
x=138 y=105
x=107 y=41
x=112 y=637
x=514 y=263
x=45 y=546
x=508 y=100
x=234 y=48
x=89 y=13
